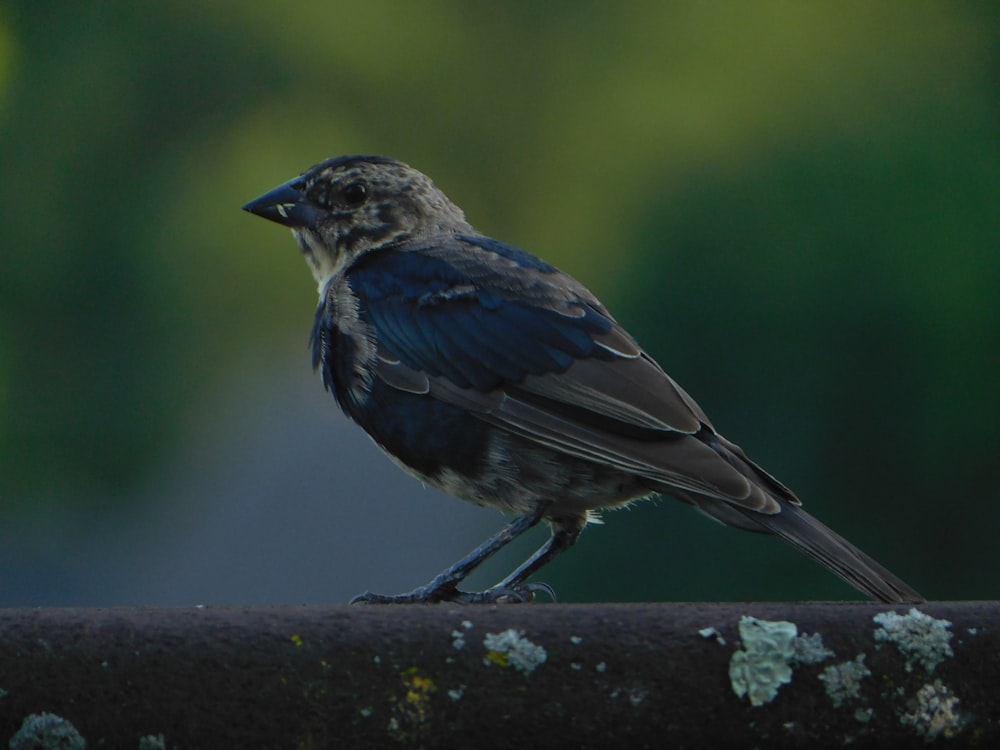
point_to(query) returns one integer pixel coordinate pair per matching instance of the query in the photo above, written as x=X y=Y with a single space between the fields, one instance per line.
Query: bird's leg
x=444 y=587
x=564 y=535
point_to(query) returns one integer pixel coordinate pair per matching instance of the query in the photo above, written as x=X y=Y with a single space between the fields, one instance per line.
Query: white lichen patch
x=601 y=667
x=511 y=648
x=935 y=713
x=457 y=694
x=711 y=632
x=920 y=638
x=843 y=681
x=458 y=637
x=764 y=663
x=809 y=649
x=575 y=640
x=635 y=695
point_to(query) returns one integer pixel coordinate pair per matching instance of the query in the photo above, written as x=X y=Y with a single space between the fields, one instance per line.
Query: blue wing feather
x=472 y=328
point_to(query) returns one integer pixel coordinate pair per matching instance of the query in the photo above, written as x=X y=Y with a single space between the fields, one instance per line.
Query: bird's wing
x=495 y=331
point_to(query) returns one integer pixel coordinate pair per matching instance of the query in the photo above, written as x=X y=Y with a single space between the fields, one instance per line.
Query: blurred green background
x=794 y=207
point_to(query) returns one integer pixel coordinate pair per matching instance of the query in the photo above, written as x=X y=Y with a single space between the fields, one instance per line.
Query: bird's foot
x=429 y=594
x=521 y=593
x=417 y=596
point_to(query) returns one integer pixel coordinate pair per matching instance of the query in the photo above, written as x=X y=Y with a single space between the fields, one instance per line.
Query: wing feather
x=560 y=372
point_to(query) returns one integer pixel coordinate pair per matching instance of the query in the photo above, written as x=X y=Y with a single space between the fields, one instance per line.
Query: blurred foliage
x=794 y=207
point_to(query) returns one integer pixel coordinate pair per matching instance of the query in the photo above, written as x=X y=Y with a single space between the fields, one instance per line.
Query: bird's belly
x=455 y=451
x=521 y=482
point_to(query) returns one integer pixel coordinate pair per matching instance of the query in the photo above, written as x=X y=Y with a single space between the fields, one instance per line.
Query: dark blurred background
x=794 y=207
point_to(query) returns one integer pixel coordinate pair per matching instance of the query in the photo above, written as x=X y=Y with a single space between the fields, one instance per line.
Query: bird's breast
x=344 y=346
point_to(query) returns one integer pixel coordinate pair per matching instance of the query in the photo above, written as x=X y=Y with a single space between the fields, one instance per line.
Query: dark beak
x=286 y=205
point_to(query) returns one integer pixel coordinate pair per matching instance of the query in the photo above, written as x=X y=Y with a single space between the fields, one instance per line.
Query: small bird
x=494 y=377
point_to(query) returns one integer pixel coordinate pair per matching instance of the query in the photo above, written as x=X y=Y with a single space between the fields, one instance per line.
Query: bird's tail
x=827 y=547
x=786 y=519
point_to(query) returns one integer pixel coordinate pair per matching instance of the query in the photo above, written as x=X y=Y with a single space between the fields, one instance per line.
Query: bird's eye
x=355 y=193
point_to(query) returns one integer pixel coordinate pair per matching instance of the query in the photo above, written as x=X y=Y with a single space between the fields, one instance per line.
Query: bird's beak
x=287 y=205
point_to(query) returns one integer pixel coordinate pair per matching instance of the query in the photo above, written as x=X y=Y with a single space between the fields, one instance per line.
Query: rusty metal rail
x=584 y=676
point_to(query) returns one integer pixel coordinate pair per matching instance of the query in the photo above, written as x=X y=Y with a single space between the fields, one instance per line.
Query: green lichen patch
x=764 y=663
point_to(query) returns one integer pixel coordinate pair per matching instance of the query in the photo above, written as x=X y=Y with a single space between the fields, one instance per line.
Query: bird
x=489 y=374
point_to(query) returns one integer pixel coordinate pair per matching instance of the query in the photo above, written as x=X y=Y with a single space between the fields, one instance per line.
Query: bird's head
x=347 y=206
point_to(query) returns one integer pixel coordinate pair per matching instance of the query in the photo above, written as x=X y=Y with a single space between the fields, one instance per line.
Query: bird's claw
x=523 y=593
x=519 y=594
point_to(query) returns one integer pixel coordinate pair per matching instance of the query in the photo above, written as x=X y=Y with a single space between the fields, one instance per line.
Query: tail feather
x=796 y=527
x=827 y=547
